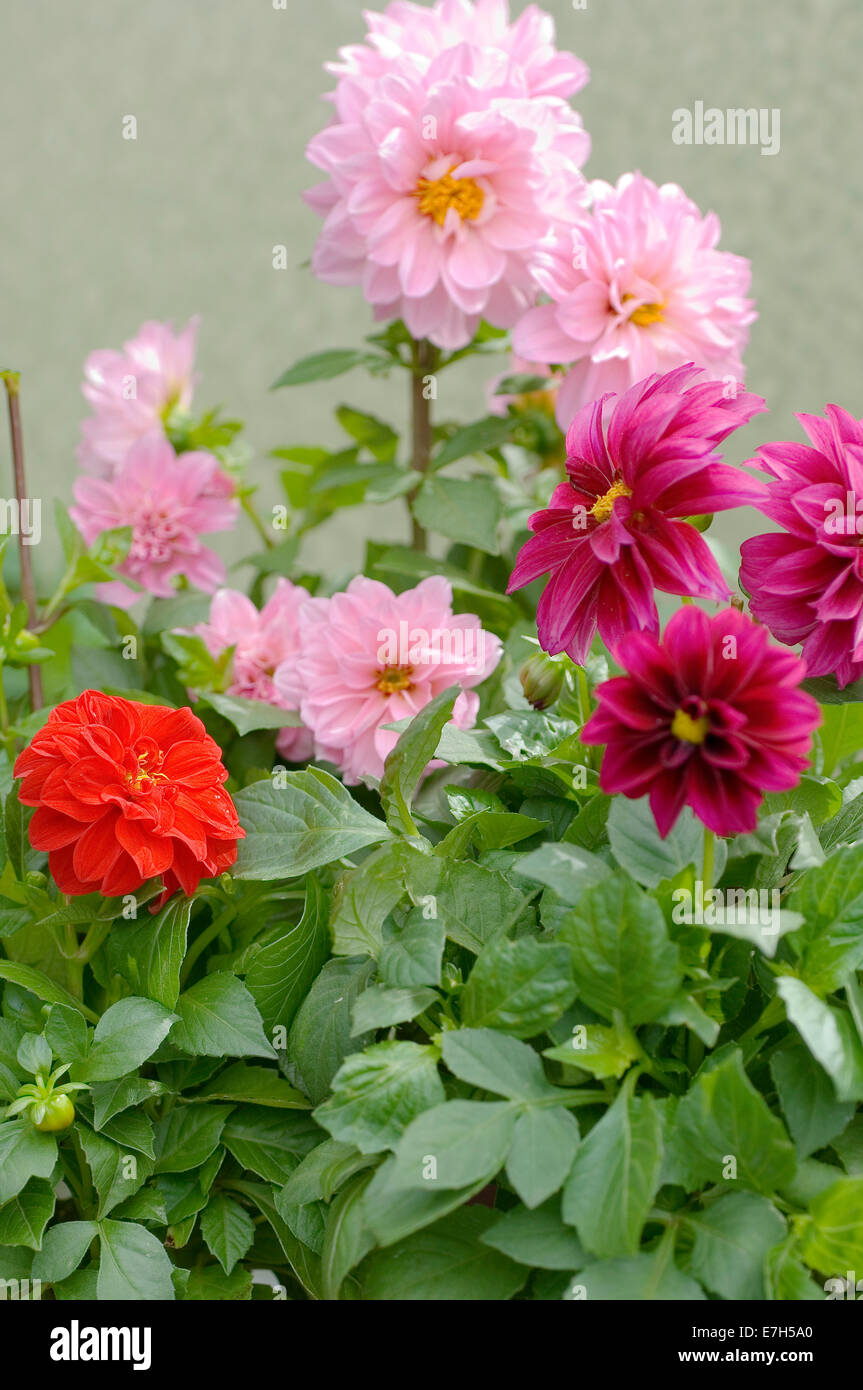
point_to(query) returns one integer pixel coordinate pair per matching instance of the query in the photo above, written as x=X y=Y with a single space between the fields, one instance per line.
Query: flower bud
x=541 y=679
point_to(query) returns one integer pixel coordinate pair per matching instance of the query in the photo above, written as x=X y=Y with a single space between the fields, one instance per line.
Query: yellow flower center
x=689 y=730
x=645 y=314
x=394 y=678
x=604 y=505
x=437 y=196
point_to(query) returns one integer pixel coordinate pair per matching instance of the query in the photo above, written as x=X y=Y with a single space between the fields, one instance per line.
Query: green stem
x=708 y=860
x=424 y=362
x=248 y=507
x=28 y=587
x=7 y=738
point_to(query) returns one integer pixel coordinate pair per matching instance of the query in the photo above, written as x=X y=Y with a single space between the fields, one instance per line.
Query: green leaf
x=282 y=971
x=218 y=1018
x=474 y=903
x=448 y=1262
x=568 y=870
x=644 y=1278
x=66 y=1033
x=269 y=1142
x=414 y=955
x=112 y=1097
x=321 y=1173
x=150 y=954
x=519 y=987
x=310 y=821
x=465 y=510
x=43 y=987
x=393 y=1212
x=623 y=960
x=637 y=847
x=363 y=899
x=722 y=1117
x=63 y=1249
x=383 y=1008
x=544 y=1145
x=320 y=1038
x=126 y=1035
x=323 y=366
x=248 y=715
x=256 y=1085
x=830 y=1035
x=455 y=1144
x=377 y=1093
x=786 y=1278
x=840 y=734
x=476 y=438
x=208 y=1284
x=495 y=1062
x=538 y=1238
x=228 y=1230
x=116 y=1173
x=188 y=1135
x=830 y=899
x=407 y=762
x=25 y=1153
x=23 y=1219
x=34 y=1054
x=304 y=1262
x=134 y=1265
x=808 y=1097
x=832 y=1240
x=731 y=1239
x=347 y=1238
x=601 y=1051
x=615 y=1176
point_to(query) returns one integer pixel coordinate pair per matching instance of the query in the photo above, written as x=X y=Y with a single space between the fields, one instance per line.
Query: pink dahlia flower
x=261 y=642
x=636 y=287
x=369 y=657
x=806 y=584
x=425 y=32
x=637 y=465
x=132 y=392
x=443 y=178
x=169 y=501
x=711 y=717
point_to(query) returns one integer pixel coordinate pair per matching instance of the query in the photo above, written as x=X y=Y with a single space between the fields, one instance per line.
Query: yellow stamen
x=604 y=506
x=645 y=314
x=394 y=678
x=689 y=730
x=437 y=196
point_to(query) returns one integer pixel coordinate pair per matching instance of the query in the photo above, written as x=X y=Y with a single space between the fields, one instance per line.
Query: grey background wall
x=98 y=233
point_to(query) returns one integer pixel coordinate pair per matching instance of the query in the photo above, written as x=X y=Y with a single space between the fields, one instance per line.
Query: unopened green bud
x=541 y=680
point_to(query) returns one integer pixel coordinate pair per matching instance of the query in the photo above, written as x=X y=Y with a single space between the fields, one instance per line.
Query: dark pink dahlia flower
x=807 y=584
x=710 y=717
x=637 y=465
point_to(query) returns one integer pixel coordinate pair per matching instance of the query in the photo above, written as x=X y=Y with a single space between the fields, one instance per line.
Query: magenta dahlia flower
x=369 y=657
x=443 y=179
x=425 y=32
x=261 y=641
x=806 y=582
x=169 y=501
x=710 y=717
x=637 y=465
x=637 y=286
x=134 y=391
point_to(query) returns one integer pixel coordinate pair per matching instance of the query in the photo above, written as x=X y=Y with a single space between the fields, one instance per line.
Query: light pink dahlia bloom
x=636 y=287
x=169 y=501
x=637 y=466
x=443 y=178
x=711 y=717
x=132 y=392
x=425 y=32
x=369 y=657
x=806 y=581
x=261 y=640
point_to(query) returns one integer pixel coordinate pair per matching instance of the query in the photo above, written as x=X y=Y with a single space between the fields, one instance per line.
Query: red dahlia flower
x=710 y=717
x=125 y=792
x=637 y=466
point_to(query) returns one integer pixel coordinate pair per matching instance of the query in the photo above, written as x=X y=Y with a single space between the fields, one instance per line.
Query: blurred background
x=99 y=233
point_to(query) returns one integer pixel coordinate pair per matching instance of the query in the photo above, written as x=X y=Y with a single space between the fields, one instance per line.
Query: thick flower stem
x=424 y=357
x=28 y=587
